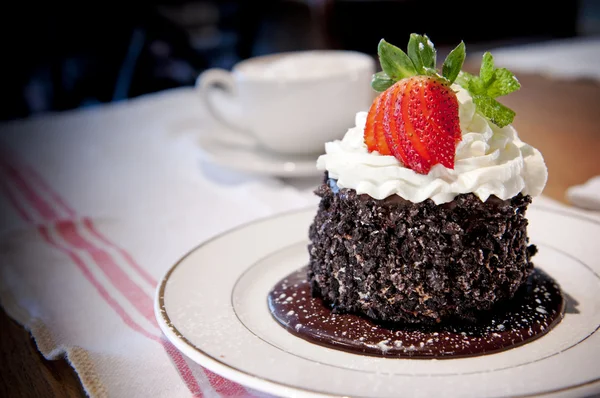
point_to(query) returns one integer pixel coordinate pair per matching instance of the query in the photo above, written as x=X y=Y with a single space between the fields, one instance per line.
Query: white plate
x=250 y=159
x=213 y=306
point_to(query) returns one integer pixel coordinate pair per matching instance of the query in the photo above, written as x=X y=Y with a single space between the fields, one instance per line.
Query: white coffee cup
x=290 y=103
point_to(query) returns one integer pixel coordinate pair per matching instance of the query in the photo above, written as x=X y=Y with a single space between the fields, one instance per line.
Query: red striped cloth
x=97 y=205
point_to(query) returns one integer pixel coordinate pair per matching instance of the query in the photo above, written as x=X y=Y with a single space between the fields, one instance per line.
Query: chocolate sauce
x=535 y=309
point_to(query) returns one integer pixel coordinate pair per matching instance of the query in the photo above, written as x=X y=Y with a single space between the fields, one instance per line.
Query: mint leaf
x=490 y=83
x=394 y=62
x=473 y=84
x=421 y=52
x=477 y=86
x=504 y=82
x=497 y=113
x=381 y=82
x=486 y=71
x=454 y=62
x=463 y=79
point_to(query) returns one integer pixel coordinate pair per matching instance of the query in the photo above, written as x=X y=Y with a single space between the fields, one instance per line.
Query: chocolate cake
x=394 y=260
x=422 y=211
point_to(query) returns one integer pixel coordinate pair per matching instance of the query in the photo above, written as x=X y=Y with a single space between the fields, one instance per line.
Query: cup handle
x=209 y=83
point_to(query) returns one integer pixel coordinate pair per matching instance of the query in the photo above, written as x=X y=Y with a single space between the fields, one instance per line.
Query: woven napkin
x=96 y=205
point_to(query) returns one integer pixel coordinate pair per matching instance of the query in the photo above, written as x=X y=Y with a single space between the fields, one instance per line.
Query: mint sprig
x=498 y=114
x=491 y=83
x=420 y=59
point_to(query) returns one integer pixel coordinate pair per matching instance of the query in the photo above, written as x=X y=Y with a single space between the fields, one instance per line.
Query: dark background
x=58 y=57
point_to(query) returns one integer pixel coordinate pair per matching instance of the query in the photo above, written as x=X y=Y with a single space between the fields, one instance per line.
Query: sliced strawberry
x=416 y=117
x=402 y=130
x=440 y=111
x=384 y=104
x=374 y=138
x=369 y=134
x=415 y=120
x=390 y=124
x=418 y=157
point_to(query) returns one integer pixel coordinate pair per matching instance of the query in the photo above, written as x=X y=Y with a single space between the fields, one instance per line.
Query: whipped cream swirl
x=489 y=161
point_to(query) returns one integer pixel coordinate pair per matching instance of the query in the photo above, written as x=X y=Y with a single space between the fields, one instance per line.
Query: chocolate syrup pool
x=536 y=308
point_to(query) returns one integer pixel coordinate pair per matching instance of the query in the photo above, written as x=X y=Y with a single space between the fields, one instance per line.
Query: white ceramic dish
x=248 y=159
x=212 y=306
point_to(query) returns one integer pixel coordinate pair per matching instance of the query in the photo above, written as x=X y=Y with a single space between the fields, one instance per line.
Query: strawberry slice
x=374 y=137
x=418 y=120
x=369 y=134
x=418 y=157
x=440 y=111
x=384 y=104
x=390 y=122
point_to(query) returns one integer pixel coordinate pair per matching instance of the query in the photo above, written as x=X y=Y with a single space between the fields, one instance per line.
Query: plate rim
x=257 y=382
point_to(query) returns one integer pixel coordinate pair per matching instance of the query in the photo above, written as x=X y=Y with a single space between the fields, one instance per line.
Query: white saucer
x=253 y=160
x=212 y=305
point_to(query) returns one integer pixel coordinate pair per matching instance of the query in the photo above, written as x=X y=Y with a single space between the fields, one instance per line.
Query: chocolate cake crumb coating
x=395 y=260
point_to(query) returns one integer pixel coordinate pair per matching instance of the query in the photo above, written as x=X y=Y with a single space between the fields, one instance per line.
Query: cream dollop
x=489 y=161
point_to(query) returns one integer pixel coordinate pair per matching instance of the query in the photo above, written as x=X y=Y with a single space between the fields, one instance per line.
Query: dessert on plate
x=419 y=247
x=423 y=205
